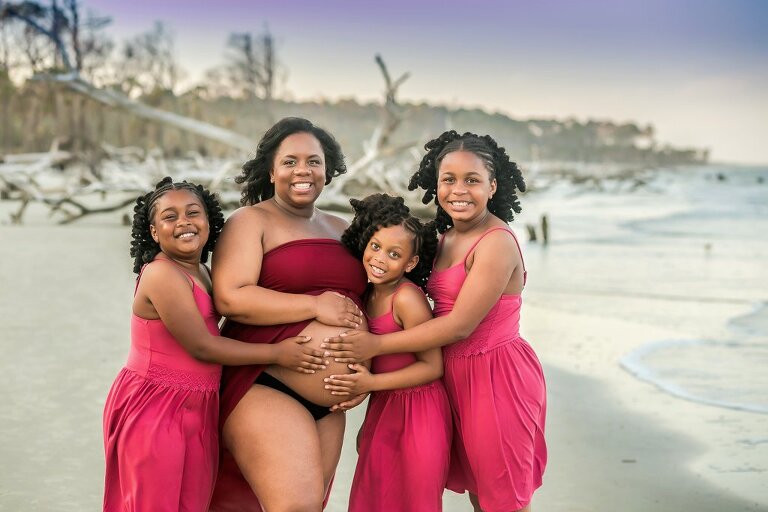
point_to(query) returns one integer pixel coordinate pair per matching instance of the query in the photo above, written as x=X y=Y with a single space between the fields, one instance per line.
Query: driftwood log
x=383 y=166
x=67 y=185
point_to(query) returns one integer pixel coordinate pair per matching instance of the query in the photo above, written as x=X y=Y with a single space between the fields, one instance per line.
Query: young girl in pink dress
x=404 y=443
x=493 y=378
x=161 y=415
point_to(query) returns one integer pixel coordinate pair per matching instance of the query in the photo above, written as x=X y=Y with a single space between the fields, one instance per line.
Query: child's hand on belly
x=292 y=353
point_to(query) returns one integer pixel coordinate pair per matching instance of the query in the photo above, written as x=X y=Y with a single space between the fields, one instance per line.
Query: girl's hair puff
x=380 y=211
x=255 y=174
x=143 y=246
x=509 y=179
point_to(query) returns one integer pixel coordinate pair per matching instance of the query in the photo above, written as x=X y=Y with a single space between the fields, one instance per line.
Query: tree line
x=245 y=94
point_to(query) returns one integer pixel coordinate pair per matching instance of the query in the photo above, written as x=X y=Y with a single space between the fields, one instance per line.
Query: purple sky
x=696 y=69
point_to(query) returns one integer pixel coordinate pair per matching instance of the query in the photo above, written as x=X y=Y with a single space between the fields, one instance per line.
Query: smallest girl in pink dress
x=404 y=442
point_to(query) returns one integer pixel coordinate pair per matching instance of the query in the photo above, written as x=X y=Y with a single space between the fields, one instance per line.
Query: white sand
x=616 y=443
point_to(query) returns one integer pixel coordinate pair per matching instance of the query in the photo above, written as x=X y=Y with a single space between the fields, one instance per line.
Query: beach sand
x=616 y=442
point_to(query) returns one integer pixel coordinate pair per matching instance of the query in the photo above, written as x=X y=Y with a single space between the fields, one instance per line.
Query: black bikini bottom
x=317 y=411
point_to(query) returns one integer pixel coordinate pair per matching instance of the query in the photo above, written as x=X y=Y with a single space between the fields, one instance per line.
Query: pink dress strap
x=400 y=287
x=189 y=276
x=391 y=309
x=499 y=228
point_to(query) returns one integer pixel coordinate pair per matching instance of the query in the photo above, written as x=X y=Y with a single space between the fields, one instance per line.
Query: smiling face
x=180 y=224
x=389 y=254
x=464 y=186
x=298 y=170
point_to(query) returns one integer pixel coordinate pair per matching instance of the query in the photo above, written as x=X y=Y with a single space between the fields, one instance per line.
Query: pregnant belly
x=311 y=385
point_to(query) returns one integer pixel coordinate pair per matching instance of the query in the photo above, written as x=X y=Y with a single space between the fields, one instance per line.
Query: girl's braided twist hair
x=143 y=246
x=509 y=179
x=381 y=210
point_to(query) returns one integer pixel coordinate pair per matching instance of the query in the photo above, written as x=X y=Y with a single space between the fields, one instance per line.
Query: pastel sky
x=696 y=69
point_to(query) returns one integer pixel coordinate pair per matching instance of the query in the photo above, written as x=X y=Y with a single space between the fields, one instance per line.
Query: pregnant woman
x=279 y=269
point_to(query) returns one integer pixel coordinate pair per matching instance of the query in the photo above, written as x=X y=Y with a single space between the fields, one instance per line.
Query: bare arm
x=486 y=281
x=169 y=292
x=411 y=308
x=236 y=270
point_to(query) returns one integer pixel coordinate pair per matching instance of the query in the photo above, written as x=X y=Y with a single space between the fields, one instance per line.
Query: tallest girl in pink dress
x=493 y=378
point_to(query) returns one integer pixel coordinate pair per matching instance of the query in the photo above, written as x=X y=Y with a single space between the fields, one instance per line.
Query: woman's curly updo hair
x=504 y=203
x=143 y=246
x=380 y=211
x=255 y=174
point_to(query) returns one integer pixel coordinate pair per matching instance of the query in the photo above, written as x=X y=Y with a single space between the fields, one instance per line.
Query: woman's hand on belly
x=294 y=354
x=334 y=308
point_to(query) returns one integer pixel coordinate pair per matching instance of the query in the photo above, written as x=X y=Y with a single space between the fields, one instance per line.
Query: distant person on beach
x=161 y=416
x=280 y=270
x=405 y=440
x=493 y=378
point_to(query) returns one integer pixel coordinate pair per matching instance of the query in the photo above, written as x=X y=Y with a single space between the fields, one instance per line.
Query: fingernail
x=311 y=371
x=350 y=365
x=328 y=362
x=327 y=387
x=323 y=367
x=326 y=354
x=323 y=345
x=337 y=360
x=325 y=380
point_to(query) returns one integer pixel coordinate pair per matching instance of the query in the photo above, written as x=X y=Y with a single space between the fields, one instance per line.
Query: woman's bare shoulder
x=254 y=211
x=334 y=223
x=247 y=217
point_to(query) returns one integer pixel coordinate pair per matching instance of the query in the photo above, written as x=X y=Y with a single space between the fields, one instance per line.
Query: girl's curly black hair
x=143 y=246
x=256 y=172
x=508 y=177
x=380 y=211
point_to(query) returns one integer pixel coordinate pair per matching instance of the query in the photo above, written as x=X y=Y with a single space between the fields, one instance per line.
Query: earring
x=271 y=179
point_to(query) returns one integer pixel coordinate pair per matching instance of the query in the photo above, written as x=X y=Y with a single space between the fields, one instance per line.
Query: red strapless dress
x=308 y=266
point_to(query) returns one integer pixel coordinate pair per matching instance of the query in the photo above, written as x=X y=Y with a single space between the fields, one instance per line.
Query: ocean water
x=688 y=251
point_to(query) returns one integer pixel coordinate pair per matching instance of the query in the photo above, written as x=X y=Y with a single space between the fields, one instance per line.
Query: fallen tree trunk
x=116 y=100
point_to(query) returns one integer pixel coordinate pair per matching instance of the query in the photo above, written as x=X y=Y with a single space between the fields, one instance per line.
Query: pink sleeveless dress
x=496 y=389
x=405 y=440
x=161 y=421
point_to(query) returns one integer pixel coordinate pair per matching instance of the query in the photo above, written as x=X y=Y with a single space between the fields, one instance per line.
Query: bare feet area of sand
x=609 y=284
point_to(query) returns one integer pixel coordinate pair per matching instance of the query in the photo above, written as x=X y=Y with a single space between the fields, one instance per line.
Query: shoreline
x=640 y=465
x=716 y=451
x=633 y=363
